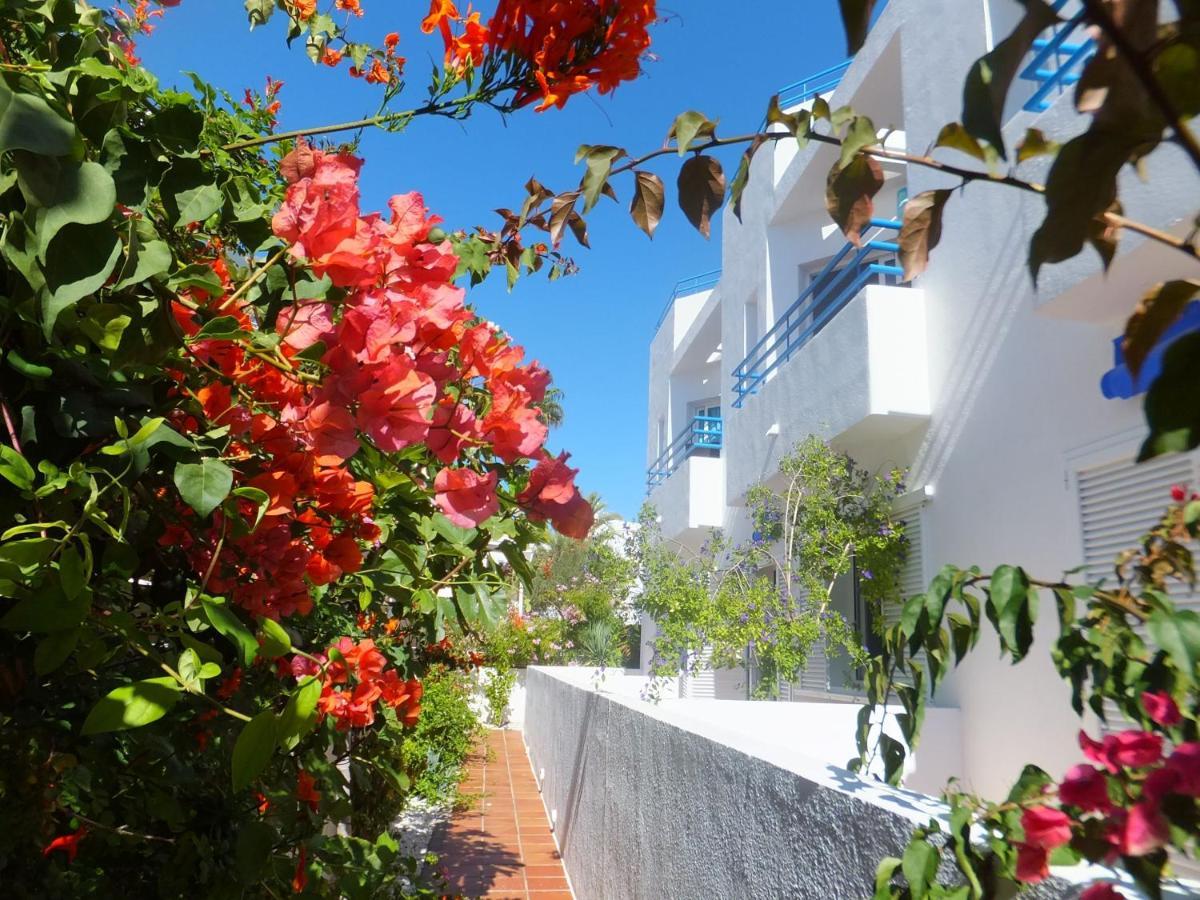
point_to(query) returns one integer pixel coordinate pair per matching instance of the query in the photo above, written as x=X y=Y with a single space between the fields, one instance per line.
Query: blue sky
x=592 y=330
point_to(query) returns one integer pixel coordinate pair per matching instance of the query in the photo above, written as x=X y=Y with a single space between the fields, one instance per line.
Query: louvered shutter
x=912 y=575
x=1118 y=502
x=700 y=683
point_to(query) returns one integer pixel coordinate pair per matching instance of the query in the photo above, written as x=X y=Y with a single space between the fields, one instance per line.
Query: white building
x=986 y=389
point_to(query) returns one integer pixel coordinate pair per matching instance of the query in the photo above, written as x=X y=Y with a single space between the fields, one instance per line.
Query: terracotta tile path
x=502 y=846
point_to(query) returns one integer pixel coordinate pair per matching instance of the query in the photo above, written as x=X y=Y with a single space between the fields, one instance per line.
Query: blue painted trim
x=700 y=433
x=1056 y=78
x=1118 y=382
x=828 y=292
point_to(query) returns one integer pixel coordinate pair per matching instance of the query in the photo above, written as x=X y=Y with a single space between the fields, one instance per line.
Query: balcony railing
x=832 y=288
x=693 y=285
x=813 y=86
x=701 y=433
x=1057 y=61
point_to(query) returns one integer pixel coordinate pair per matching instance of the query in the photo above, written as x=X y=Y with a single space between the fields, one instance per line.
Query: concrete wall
x=665 y=802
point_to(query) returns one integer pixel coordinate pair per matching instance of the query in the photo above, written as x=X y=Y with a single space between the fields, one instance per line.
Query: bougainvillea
x=260 y=467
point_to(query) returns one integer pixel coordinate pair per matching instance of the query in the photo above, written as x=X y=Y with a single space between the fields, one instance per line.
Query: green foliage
x=1117 y=641
x=497 y=692
x=771 y=598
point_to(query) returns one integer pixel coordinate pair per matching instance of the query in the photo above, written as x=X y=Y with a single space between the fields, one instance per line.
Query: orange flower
x=391 y=40
x=331 y=57
x=306 y=790
x=441 y=12
x=350 y=6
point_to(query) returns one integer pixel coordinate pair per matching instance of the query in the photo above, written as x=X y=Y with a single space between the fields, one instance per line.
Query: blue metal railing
x=1057 y=62
x=686 y=286
x=829 y=291
x=701 y=433
x=813 y=86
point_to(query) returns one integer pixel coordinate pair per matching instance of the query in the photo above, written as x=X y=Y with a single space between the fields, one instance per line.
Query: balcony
x=685 y=288
x=1057 y=61
x=828 y=293
x=701 y=436
x=800 y=92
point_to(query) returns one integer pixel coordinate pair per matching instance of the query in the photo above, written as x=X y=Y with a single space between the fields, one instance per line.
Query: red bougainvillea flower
x=396 y=409
x=1179 y=492
x=551 y=494
x=466 y=497
x=1033 y=863
x=300 y=878
x=68 y=843
x=1161 y=709
x=1134 y=749
x=306 y=790
x=1085 y=787
x=1046 y=827
x=1102 y=891
x=1146 y=830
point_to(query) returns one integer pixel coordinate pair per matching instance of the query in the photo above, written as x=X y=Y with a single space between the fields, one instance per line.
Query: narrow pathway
x=502 y=846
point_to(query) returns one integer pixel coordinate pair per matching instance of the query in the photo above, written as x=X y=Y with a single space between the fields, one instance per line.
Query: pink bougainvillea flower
x=1046 y=827
x=304 y=325
x=1085 y=787
x=1133 y=749
x=551 y=494
x=1161 y=709
x=1102 y=891
x=1146 y=830
x=466 y=497
x=331 y=433
x=1185 y=763
x=395 y=410
x=1033 y=863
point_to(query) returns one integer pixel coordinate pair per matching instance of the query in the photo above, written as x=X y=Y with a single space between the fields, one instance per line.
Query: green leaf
x=28 y=123
x=259 y=11
x=742 y=176
x=986 y=87
x=849 y=194
x=860 y=135
x=133 y=705
x=856 y=19
x=204 y=485
x=689 y=126
x=1009 y=605
x=15 y=468
x=144 y=259
x=226 y=622
x=649 y=196
x=65 y=193
x=599 y=161
x=253 y=850
x=919 y=865
x=78 y=263
x=1179 y=635
x=1172 y=404
x=49 y=610
x=197 y=204
x=921 y=230
x=883 y=877
x=958 y=138
x=189 y=193
x=221 y=328
x=276 y=641
x=105 y=323
x=253 y=748
x=53 y=650
x=701 y=187
x=1035 y=144
x=300 y=715
x=1158 y=309
x=73 y=575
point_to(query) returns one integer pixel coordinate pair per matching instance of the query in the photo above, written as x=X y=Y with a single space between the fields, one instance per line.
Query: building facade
x=1006 y=402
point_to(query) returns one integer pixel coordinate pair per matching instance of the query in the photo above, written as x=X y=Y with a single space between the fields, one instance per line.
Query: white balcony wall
x=862 y=378
x=692 y=500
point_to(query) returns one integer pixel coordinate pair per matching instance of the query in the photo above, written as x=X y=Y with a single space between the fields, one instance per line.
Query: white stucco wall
x=1009 y=373
x=666 y=802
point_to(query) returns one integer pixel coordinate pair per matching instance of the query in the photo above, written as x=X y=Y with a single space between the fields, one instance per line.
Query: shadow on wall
x=562 y=828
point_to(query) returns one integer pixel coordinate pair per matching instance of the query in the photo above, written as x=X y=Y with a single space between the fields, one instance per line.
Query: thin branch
x=1145 y=74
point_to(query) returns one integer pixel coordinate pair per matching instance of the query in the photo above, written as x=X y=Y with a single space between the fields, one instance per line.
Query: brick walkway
x=502 y=845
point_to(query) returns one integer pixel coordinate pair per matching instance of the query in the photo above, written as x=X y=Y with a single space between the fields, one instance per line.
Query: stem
x=1141 y=68
x=328 y=129
x=254 y=277
x=122 y=830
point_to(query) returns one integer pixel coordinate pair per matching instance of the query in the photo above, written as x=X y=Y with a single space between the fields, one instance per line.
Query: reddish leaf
x=1155 y=313
x=701 y=191
x=648 y=199
x=921 y=231
x=848 y=195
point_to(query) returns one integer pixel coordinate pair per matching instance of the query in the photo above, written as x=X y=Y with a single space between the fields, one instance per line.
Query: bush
x=497 y=691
